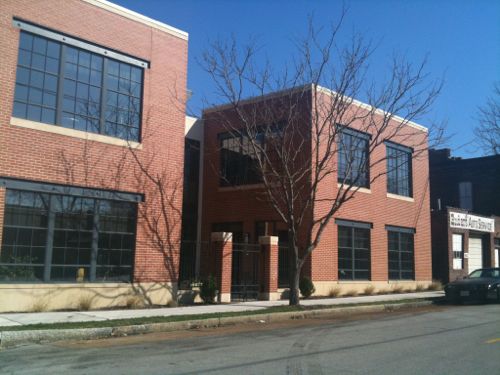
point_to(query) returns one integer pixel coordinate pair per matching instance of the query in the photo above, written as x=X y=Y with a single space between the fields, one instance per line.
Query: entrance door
x=475 y=253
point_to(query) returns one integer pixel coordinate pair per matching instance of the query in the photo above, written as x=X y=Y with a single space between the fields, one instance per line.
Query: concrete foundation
x=47 y=297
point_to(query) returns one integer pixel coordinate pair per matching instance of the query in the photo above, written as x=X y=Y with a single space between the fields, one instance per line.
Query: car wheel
x=498 y=293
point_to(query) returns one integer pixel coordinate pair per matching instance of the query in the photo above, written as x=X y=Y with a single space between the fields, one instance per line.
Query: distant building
x=465 y=204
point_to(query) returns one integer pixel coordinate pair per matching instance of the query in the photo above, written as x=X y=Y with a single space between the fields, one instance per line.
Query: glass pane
x=20 y=110
x=34 y=113
x=23 y=76
x=36 y=79
x=21 y=93
x=26 y=41
x=50 y=83
x=52 y=65
x=38 y=61
x=72 y=55
x=39 y=45
x=48 y=116
x=53 y=49
x=24 y=58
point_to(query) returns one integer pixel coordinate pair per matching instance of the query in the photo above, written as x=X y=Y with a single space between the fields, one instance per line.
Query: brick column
x=269 y=245
x=222 y=245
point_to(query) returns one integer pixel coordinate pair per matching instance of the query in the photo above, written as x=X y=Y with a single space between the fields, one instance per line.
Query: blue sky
x=461 y=39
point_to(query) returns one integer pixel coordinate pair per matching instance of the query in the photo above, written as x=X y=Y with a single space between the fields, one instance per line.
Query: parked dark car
x=481 y=285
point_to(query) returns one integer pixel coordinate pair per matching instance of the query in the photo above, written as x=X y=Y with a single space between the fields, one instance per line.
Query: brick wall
x=375 y=207
x=43 y=156
x=246 y=204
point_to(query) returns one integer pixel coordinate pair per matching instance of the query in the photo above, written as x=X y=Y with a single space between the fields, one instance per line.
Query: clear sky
x=461 y=39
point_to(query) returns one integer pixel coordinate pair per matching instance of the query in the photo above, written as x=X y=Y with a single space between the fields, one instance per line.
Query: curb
x=9 y=339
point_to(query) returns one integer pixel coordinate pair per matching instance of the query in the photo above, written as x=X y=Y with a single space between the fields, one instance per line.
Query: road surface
x=435 y=340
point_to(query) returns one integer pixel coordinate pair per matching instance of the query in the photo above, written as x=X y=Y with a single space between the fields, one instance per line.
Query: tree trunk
x=294 y=298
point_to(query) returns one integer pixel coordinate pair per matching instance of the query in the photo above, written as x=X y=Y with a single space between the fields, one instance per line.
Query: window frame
x=129 y=130
x=353 y=226
x=457 y=255
x=400 y=231
x=400 y=150
x=359 y=137
x=241 y=178
x=466 y=195
x=62 y=223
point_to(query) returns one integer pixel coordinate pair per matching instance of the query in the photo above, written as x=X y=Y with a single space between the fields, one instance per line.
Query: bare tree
x=135 y=168
x=293 y=129
x=487 y=132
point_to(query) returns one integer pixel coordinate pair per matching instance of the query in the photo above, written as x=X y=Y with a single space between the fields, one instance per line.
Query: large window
x=465 y=195
x=239 y=164
x=401 y=253
x=354 y=251
x=457 y=246
x=72 y=87
x=399 y=174
x=353 y=168
x=52 y=237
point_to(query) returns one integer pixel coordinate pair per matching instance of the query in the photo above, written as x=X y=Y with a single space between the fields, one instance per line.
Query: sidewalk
x=19 y=319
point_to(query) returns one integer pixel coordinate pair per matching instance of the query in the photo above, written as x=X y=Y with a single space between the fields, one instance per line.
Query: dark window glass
x=399 y=174
x=81 y=226
x=239 y=162
x=82 y=73
x=353 y=168
x=401 y=255
x=37 y=72
x=24 y=237
x=354 y=253
x=123 y=100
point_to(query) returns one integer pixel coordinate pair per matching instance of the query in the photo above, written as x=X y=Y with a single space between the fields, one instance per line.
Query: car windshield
x=494 y=273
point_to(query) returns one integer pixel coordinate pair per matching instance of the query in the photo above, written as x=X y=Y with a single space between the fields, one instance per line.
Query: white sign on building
x=471 y=222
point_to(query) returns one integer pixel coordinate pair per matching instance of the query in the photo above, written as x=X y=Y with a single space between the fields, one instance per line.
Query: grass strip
x=180 y=318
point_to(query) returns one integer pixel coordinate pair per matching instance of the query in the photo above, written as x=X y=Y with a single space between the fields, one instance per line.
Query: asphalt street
x=437 y=340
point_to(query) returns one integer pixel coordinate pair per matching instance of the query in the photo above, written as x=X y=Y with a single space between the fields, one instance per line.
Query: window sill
x=400 y=197
x=55 y=129
x=356 y=189
x=240 y=187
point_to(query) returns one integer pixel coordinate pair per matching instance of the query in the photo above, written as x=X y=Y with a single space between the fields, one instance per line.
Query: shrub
x=172 y=303
x=351 y=293
x=420 y=288
x=383 y=291
x=208 y=289
x=435 y=285
x=398 y=289
x=40 y=305
x=84 y=303
x=409 y=290
x=306 y=287
x=334 y=292
x=134 y=302
x=369 y=290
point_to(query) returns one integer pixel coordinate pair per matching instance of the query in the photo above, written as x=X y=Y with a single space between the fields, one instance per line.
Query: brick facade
x=35 y=155
x=246 y=205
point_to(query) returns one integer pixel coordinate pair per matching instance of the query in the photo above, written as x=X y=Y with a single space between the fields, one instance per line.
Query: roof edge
x=130 y=14
x=379 y=111
x=325 y=91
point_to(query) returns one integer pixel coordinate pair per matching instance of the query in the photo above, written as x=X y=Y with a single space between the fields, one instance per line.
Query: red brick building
x=87 y=130
x=384 y=230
